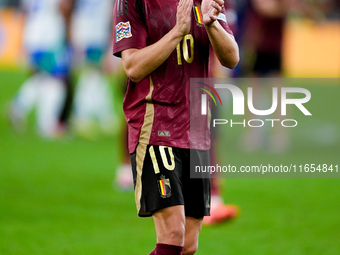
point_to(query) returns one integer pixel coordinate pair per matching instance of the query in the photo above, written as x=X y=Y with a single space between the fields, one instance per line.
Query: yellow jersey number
x=188 y=38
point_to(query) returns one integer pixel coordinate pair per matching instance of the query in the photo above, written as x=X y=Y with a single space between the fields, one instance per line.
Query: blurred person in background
x=263 y=38
x=90 y=35
x=219 y=211
x=44 y=40
x=123 y=180
x=262 y=44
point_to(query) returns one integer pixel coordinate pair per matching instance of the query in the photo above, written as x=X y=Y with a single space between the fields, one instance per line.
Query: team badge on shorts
x=164 y=187
x=123 y=30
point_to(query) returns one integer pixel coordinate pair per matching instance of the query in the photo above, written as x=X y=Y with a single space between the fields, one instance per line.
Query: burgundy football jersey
x=157 y=108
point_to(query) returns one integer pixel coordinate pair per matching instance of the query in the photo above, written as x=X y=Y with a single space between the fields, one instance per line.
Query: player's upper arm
x=129 y=26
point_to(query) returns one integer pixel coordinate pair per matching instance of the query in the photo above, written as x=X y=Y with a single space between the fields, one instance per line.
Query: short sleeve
x=222 y=19
x=129 y=26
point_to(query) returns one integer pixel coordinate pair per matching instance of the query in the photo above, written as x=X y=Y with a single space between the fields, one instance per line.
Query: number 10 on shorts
x=165 y=162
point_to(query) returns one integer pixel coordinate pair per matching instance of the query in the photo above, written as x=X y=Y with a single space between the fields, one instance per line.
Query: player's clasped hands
x=210 y=10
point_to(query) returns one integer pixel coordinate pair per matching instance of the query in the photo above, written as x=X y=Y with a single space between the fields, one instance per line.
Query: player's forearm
x=138 y=63
x=224 y=45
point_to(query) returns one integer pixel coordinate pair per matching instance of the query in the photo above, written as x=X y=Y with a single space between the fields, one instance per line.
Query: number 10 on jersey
x=188 y=39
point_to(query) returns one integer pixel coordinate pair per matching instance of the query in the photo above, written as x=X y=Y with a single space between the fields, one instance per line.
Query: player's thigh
x=170 y=225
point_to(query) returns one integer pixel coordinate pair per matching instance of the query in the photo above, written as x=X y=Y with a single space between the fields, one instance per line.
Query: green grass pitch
x=56 y=197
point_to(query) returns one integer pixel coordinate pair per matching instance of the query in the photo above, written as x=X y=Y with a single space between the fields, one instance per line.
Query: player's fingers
x=184 y=5
x=180 y=4
x=183 y=17
x=188 y=5
x=217 y=7
x=213 y=16
x=219 y=2
x=181 y=8
x=183 y=2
